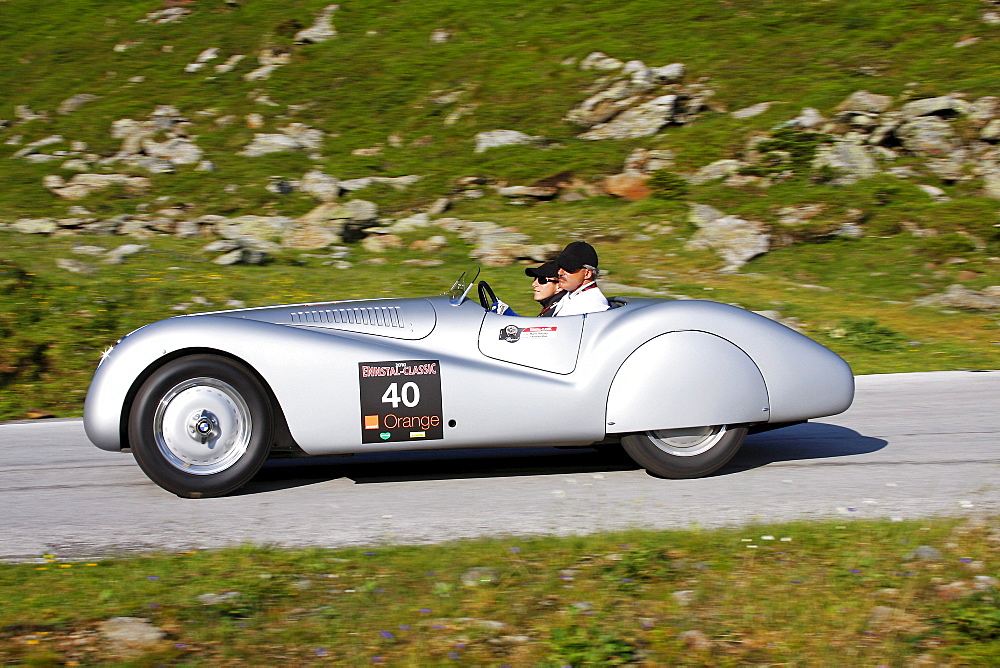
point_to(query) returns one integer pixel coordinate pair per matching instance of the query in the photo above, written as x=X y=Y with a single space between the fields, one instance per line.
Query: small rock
x=214 y=599
x=538 y=192
x=35 y=225
x=684 y=597
x=751 y=111
x=321 y=30
x=378 y=243
x=925 y=553
x=884 y=619
x=601 y=62
x=954 y=591
x=132 y=633
x=75 y=266
x=73 y=103
x=118 y=255
x=628 y=186
x=497 y=138
x=862 y=100
x=479 y=576
x=696 y=640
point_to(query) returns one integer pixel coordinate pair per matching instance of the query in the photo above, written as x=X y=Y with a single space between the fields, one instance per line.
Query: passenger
x=547 y=291
x=578 y=277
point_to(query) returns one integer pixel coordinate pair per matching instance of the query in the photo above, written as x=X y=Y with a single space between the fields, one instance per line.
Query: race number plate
x=400 y=401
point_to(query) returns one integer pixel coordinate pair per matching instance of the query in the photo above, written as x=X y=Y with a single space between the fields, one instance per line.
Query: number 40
x=410 y=395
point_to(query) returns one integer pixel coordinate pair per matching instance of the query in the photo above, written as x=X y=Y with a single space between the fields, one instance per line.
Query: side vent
x=380 y=316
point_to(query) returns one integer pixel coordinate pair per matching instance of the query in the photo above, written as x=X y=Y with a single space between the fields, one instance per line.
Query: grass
x=795 y=594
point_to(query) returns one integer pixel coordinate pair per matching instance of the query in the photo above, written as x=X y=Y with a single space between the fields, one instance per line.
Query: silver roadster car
x=203 y=400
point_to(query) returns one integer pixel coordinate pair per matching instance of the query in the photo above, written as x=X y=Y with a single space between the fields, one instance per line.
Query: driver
x=578 y=277
x=545 y=287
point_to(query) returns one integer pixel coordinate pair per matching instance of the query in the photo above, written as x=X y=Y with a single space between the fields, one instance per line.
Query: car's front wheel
x=684 y=453
x=201 y=426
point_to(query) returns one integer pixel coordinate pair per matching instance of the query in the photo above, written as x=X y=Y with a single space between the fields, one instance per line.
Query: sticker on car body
x=513 y=333
x=400 y=401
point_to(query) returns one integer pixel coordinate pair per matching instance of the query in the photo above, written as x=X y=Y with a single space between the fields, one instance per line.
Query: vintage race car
x=203 y=400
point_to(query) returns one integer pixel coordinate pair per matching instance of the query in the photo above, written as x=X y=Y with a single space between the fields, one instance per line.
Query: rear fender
x=686 y=379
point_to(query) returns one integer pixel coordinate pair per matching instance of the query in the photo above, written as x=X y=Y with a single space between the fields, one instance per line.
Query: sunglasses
x=542 y=280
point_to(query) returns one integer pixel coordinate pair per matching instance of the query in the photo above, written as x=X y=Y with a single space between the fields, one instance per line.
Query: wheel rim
x=202 y=426
x=687 y=442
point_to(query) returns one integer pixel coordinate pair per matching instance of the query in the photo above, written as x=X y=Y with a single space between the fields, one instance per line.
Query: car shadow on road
x=812 y=440
x=381 y=467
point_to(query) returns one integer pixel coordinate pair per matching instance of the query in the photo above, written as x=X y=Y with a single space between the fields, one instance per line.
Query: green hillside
x=870 y=215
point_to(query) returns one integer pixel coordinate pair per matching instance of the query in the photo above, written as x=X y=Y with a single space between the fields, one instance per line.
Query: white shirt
x=587 y=298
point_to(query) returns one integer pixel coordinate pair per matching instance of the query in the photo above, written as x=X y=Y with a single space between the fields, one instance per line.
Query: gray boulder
x=35 y=225
x=32 y=147
x=991 y=184
x=751 y=111
x=601 y=62
x=253 y=227
x=643 y=120
x=928 y=135
x=736 y=240
x=322 y=186
x=175 y=151
x=847 y=156
x=984 y=110
x=808 y=119
x=320 y=31
x=862 y=100
x=71 y=104
x=717 y=170
x=959 y=296
x=310 y=237
x=294 y=137
x=75 y=266
x=118 y=255
x=131 y=633
x=991 y=131
x=497 y=138
x=946 y=106
x=83 y=185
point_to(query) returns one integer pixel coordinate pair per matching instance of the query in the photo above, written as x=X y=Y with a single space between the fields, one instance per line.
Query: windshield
x=462 y=286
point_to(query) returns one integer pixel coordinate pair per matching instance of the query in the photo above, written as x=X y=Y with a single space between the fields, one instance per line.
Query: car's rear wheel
x=201 y=426
x=684 y=453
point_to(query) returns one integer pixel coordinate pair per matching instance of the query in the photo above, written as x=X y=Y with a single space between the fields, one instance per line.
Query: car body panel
x=630 y=365
x=548 y=344
x=636 y=404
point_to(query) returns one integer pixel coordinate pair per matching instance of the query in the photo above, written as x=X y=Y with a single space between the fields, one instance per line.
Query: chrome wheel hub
x=202 y=426
x=687 y=442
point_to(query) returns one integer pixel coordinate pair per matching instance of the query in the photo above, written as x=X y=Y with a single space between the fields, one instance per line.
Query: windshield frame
x=460 y=290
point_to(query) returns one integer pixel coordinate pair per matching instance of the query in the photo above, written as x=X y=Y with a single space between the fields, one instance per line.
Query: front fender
x=686 y=379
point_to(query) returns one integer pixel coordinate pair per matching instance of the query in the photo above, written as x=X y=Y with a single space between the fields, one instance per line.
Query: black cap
x=547 y=270
x=575 y=255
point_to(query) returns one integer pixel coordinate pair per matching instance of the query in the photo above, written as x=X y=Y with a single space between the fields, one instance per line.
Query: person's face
x=571 y=280
x=543 y=289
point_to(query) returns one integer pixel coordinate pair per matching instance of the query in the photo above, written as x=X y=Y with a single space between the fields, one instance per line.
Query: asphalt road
x=913 y=445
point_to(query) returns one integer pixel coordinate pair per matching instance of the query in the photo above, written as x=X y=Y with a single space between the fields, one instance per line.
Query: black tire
x=201 y=426
x=684 y=453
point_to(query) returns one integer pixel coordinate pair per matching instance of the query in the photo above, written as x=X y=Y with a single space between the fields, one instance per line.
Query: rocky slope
x=126 y=174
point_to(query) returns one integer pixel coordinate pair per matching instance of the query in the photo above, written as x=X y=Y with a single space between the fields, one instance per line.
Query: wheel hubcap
x=202 y=426
x=687 y=442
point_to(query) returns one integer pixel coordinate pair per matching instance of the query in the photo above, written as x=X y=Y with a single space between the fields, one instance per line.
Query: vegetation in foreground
x=864 y=593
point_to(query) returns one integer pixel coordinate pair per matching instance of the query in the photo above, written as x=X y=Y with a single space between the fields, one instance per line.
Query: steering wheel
x=486 y=295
